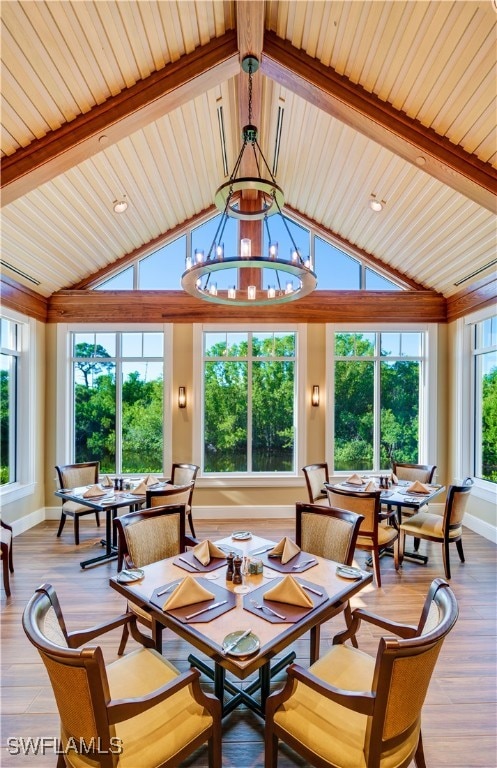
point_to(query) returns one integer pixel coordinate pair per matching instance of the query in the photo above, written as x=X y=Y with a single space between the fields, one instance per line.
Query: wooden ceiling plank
x=119 y=116
x=250 y=35
x=364 y=112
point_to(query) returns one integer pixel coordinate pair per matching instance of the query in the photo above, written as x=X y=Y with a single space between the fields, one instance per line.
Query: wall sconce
x=315 y=395
x=182 y=397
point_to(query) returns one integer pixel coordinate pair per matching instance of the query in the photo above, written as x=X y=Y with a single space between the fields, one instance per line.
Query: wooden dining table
x=399 y=497
x=108 y=503
x=274 y=636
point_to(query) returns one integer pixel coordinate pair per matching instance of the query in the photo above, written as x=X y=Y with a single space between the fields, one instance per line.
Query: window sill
x=250 y=481
x=16 y=491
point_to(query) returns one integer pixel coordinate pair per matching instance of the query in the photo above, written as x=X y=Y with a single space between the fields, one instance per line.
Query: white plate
x=245 y=647
x=130 y=574
x=241 y=535
x=347 y=572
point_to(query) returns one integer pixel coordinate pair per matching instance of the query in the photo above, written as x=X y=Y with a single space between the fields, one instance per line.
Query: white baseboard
x=28 y=521
x=484 y=529
x=480 y=527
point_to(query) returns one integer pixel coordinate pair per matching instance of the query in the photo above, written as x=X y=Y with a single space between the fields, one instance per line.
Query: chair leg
x=417 y=542
x=190 y=521
x=460 y=550
x=63 y=517
x=270 y=749
x=11 y=558
x=215 y=748
x=376 y=567
x=97 y=518
x=402 y=543
x=348 y=621
x=446 y=559
x=76 y=529
x=5 y=566
x=419 y=757
x=124 y=640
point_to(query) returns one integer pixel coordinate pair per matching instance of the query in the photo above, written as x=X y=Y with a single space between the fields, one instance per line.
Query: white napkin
x=205 y=550
x=187 y=593
x=355 y=480
x=289 y=591
x=286 y=548
x=371 y=486
x=418 y=487
x=140 y=489
x=93 y=490
x=149 y=480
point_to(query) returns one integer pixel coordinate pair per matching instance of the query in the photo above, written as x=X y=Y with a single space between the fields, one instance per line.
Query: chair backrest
x=157 y=497
x=76 y=475
x=182 y=474
x=365 y=503
x=327 y=531
x=402 y=675
x=78 y=677
x=455 y=506
x=150 y=535
x=423 y=473
x=316 y=475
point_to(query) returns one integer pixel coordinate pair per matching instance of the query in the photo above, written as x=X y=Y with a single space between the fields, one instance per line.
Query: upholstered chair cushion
x=319 y=723
x=428 y=523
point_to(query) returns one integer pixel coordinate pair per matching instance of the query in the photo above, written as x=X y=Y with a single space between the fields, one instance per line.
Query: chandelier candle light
x=198 y=280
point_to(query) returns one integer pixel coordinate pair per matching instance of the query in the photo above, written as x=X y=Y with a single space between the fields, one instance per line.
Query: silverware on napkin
x=184 y=560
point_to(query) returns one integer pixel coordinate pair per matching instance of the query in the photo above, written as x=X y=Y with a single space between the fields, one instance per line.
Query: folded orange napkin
x=107 y=482
x=371 y=486
x=187 y=593
x=286 y=548
x=394 y=478
x=355 y=480
x=93 y=490
x=205 y=550
x=418 y=487
x=289 y=591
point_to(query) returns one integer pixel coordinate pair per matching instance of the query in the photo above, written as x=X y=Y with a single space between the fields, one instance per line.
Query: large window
x=9 y=399
x=485 y=398
x=378 y=398
x=249 y=401
x=118 y=400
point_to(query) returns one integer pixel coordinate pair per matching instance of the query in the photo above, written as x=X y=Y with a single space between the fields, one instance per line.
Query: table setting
x=193 y=599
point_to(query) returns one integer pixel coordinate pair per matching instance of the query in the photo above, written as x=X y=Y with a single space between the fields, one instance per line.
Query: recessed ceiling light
x=375 y=205
x=120 y=205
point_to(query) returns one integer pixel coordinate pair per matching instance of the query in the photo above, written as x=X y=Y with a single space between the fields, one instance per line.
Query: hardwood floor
x=459 y=716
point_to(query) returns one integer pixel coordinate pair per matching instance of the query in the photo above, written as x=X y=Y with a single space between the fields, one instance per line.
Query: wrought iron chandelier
x=199 y=278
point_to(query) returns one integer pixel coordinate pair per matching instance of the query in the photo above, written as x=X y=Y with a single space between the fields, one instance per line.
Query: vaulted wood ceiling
x=392 y=99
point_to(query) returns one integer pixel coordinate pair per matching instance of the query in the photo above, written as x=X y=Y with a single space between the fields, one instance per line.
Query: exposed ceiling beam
x=119 y=116
x=379 y=121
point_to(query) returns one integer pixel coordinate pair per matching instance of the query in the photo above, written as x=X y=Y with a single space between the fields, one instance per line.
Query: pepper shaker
x=229 y=569
x=237 y=570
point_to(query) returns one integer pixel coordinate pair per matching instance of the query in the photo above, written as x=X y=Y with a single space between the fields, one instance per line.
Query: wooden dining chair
x=6 y=540
x=178 y=493
x=328 y=532
x=75 y=476
x=138 y=711
x=147 y=536
x=445 y=529
x=316 y=475
x=350 y=709
x=373 y=536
